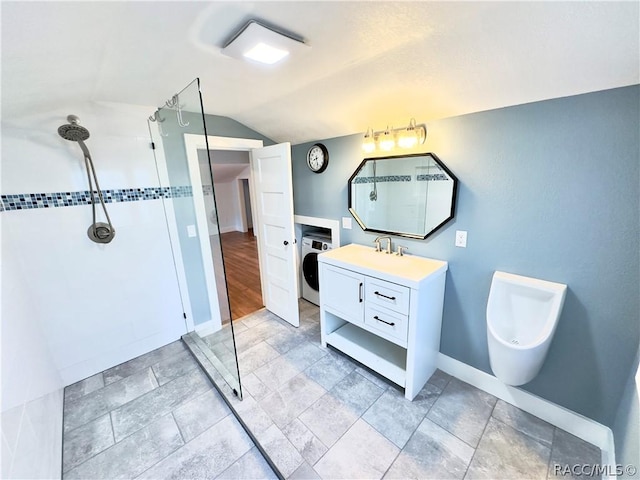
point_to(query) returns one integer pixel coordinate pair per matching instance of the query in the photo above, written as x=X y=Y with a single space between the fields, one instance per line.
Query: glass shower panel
x=182 y=158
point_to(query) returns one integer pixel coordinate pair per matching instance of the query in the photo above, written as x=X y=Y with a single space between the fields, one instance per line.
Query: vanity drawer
x=387 y=324
x=388 y=295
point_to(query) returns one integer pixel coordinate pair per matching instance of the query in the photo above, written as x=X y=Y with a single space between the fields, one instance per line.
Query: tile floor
x=315 y=412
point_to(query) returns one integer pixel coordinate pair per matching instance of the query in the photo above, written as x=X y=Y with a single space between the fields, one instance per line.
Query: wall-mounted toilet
x=522 y=314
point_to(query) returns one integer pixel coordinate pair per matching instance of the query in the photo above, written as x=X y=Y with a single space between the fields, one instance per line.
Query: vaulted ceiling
x=370 y=63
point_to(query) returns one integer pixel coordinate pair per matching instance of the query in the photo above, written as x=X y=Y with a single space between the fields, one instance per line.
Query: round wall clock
x=318 y=158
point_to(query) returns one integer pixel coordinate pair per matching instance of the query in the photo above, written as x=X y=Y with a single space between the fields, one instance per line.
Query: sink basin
x=408 y=268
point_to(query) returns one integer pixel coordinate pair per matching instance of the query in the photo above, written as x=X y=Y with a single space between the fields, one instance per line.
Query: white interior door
x=277 y=252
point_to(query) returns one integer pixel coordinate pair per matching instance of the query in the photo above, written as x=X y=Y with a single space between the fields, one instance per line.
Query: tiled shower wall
x=71 y=307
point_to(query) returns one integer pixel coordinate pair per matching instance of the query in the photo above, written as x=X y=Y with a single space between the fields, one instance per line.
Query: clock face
x=318 y=158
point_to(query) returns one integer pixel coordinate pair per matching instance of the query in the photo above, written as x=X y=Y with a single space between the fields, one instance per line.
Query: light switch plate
x=346 y=223
x=461 y=238
x=191 y=231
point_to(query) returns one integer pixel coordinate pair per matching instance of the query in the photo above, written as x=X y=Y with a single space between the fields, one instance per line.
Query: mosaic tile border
x=384 y=178
x=432 y=177
x=26 y=201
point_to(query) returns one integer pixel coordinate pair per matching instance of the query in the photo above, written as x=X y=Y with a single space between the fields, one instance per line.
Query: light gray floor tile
x=255 y=318
x=290 y=400
x=305 y=355
x=356 y=392
x=285 y=367
x=99 y=402
x=256 y=356
x=83 y=387
x=524 y=422
x=86 y=441
x=330 y=369
x=285 y=341
x=276 y=372
x=264 y=330
x=360 y=453
x=142 y=362
x=253 y=415
x=174 y=367
x=506 y=453
x=304 y=472
x=439 y=379
x=251 y=466
x=207 y=455
x=329 y=419
x=254 y=386
x=143 y=410
x=431 y=453
x=374 y=378
x=133 y=455
x=309 y=446
x=238 y=327
x=312 y=334
x=396 y=417
x=463 y=410
x=570 y=450
x=247 y=339
x=282 y=453
x=197 y=415
x=307 y=308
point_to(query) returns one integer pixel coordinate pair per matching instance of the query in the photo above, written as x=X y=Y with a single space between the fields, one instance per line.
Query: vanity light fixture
x=369 y=143
x=386 y=140
x=262 y=44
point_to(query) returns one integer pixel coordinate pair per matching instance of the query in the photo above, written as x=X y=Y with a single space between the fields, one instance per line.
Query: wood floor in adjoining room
x=240 y=252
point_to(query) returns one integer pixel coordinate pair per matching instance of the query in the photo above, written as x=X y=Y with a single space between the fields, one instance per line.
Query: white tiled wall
x=32 y=438
x=70 y=307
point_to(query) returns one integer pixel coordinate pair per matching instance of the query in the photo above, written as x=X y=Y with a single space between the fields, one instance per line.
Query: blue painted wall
x=547 y=190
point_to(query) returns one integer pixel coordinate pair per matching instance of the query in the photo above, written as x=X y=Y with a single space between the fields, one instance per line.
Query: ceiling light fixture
x=406 y=137
x=262 y=44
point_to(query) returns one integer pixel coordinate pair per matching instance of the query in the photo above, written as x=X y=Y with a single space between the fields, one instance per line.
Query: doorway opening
x=230 y=170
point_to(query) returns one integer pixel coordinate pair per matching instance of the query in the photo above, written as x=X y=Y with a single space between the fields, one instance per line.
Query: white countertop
x=410 y=270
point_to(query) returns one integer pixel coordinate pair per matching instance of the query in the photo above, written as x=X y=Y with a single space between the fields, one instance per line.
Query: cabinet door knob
x=286 y=242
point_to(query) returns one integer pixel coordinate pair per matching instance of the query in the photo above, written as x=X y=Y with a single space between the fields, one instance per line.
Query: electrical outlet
x=461 y=238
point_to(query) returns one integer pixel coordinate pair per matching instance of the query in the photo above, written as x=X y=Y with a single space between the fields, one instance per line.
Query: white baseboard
x=574 y=423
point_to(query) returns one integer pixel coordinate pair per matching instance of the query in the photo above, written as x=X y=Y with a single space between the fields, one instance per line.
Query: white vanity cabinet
x=384 y=311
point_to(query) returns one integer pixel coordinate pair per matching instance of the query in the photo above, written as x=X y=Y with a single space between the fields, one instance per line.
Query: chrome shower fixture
x=73 y=131
x=99 y=232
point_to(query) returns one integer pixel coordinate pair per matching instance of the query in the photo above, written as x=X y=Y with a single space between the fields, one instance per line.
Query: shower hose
x=99 y=232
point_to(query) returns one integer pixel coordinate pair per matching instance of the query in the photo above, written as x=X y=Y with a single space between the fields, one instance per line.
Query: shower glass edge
x=186 y=180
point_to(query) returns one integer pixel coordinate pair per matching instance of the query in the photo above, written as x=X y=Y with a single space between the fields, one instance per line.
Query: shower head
x=73 y=131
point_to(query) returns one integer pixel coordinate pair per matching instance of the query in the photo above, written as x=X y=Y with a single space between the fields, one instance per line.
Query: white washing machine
x=312 y=245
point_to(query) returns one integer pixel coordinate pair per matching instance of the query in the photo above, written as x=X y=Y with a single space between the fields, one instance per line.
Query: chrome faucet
x=379 y=248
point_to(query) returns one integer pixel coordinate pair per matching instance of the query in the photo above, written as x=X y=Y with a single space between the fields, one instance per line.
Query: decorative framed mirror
x=405 y=195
